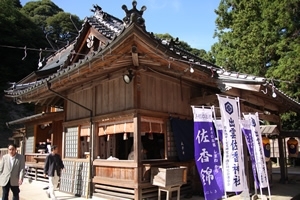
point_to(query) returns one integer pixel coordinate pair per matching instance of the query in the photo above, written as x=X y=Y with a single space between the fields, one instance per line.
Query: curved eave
x=172 y=52
x=292 y=105
x=62 y=72
x=40 y=116
x=47 y=72
x=241 y=78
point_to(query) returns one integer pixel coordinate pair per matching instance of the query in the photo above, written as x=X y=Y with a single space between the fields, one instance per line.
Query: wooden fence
x=74 y=178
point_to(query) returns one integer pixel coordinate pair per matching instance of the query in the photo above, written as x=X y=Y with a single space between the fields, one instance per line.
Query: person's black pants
x=15 y=190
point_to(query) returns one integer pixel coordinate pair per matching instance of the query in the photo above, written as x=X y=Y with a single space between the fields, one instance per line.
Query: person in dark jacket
x=52 y=169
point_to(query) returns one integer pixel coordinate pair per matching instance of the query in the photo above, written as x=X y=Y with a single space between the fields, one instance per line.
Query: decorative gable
x=134 y=15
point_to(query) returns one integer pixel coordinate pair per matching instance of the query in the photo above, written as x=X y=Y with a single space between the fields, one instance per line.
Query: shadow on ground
x=288 y=189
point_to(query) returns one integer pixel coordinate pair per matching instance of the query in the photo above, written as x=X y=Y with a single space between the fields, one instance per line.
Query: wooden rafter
x=135 y=56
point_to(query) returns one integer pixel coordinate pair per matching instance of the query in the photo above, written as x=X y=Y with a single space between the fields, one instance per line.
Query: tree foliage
x=243 y=41
x=17 y=3
x=261 y=38
x=22 y=33
x=62 y=27
x=39 y=11
x=56 y=24
x=17 y=30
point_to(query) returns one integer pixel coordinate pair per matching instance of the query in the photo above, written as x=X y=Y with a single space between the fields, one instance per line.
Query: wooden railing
x=116 y=178
x=121 y=179
x=125 y=179
x=34 y=163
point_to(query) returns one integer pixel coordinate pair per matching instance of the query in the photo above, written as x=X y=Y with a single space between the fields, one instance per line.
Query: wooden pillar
x=35 y=173
x=246 y=156
x=283 y=174
x=246 y=163
x=137 y=148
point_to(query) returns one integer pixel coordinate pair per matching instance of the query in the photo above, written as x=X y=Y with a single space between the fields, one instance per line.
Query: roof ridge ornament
x=174 y=42
x=99 y=13
x=134 y=15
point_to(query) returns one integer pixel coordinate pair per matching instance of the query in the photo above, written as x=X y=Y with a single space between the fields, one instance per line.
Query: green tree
x=17 y=31
x=56 y=24
x=63 y=28
x=243 y=38
x=17 y=3
x=261 y=38
x=39 y=11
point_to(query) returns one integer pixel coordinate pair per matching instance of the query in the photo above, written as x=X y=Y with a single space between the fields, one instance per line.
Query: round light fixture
x=128 y=77
x=192 y=70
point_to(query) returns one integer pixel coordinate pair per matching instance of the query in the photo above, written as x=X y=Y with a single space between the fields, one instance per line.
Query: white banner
x=261 y=167
x=233 y=166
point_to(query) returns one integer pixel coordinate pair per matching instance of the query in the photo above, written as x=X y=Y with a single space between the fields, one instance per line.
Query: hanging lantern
x=292 y=145
x=267 y=149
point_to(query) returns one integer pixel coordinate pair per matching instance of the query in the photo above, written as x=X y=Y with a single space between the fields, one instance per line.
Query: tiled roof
x=111 y=27
x=108 y=25
x=57 y=60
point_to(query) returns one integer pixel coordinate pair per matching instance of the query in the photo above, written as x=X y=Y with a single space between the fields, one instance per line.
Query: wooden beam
x=135 y=59
x=99 y=36
x=210 y=99
x=259 y=101
x=213 y=100
x=135 y=56
x=292 y=133
x=252 y=98
x=244 y=86
x=269 y=118
x=233 y=92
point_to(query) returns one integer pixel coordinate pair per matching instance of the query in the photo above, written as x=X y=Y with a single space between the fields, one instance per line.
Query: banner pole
x=246 y=189
x=257 y=167
x=218 y=138
x=266 y=171
x=207 y=107
x=229 y=97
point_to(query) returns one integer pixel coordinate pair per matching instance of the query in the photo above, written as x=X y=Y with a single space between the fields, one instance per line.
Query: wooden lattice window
x=71 y=142
x=29 y=146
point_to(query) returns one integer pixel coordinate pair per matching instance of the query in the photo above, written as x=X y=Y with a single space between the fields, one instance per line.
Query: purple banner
x=246 y=129
x=207 y=155
x=219 y=128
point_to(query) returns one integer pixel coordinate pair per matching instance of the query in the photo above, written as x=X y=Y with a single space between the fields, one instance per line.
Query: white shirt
x=131 y=155
x=12 y=160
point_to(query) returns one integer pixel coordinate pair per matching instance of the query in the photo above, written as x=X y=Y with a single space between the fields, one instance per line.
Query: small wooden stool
x=169 y=191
